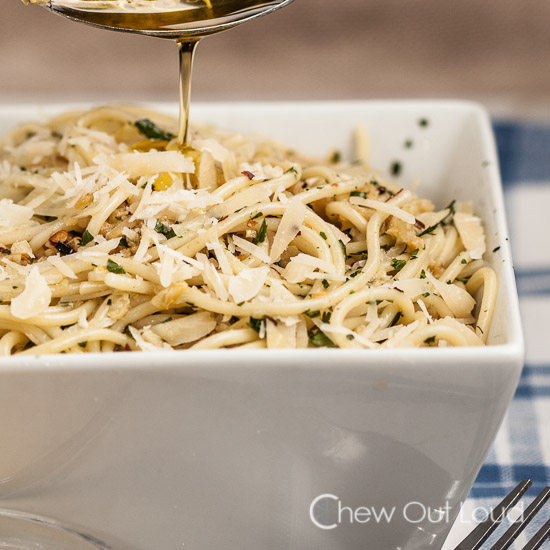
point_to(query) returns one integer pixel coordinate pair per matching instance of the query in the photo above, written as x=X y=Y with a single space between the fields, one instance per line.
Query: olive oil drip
x=187 y=53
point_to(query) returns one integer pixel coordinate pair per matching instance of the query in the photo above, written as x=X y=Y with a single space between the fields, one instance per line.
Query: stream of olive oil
x=185 y=21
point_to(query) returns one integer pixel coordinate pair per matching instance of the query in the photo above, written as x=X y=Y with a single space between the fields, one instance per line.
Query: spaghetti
x=112 y=238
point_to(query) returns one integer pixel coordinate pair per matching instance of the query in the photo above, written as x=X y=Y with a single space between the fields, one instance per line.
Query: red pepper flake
x=248 y=174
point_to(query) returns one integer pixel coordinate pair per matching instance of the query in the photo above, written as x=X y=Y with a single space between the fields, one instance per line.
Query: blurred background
x=495 y=51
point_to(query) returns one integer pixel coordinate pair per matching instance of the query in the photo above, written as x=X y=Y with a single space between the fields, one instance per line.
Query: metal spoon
x=172 y=19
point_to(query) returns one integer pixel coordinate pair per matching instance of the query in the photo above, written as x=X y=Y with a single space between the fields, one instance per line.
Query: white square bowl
x=233 y=450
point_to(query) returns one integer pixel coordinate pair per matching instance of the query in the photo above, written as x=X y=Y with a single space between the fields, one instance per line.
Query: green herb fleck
x=325 y=284
x=168 y=232
x=151 y=131
x=319 y=339
x=262 y=233
x=430 y=340
x=87 y=237
x=450 y=213
x=326 y=316
x=395 y=320
x=408 y=143
x=396 y=168
x=423 y=122
x=256 y=324
x=344 y=249
x=414 y=254
x=312 y=314
x=361 y=194
x=336 y=157
x=398 y=265
x=82 y=344
x=464 y=261
x=323 y=235
x=113 y=267
x=422 y=274
x=350 y=336
x=496 y=249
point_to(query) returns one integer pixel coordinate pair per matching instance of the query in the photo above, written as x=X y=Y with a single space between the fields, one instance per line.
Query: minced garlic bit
x=113 y=238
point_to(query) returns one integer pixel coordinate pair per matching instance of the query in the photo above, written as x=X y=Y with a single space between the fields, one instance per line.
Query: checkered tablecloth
x=522 y=448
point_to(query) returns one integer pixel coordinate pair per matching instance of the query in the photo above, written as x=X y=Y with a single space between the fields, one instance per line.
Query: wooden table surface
x=497 y=50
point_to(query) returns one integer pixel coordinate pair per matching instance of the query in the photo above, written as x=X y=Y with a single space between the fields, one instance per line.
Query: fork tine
x=521 y=523
x=483 y=531
x=540 y=536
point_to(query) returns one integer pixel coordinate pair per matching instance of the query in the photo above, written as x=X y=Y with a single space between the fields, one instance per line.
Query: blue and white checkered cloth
x=522 y=448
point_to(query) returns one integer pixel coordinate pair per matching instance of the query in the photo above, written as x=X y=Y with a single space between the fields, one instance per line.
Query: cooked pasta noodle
x=112 y=238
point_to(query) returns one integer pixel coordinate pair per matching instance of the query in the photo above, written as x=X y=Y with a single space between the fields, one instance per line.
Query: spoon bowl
x=171 y=19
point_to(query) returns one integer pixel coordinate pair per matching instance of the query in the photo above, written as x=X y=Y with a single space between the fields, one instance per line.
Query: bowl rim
x=511 y=351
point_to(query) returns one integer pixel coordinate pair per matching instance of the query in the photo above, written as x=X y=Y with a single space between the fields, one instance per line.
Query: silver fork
x=475 y=540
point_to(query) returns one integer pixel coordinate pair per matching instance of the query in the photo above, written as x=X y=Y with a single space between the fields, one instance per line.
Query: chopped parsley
x=414 y=254
x=326 y=316
x=350 y=336
x=312 y=314
x=151 y=131
x=256 y=324
x=450 y=213
x=408 y=143
x=87 y=237
x=113 y=267
x=496 y=249
x=319 y=339
x=395 y=320
x=258 y=215
x=344 y=249
x=422 y=274
x=262 y=233
x=464 y=261
x=423 y=123
x=395 y=168
x=325 y=284
x=361 y=194
x=323 y=235
x=336 y=157
x=430 y=340
x=293 y=170
x=398 y=265
x=168 y=232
